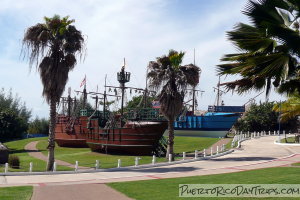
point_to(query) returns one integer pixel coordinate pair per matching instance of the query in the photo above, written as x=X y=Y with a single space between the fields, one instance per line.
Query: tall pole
x=96 y=102
x=218 y=95
x=84 y=93
x=123 y=77
x=193 y=105
x=193 y=109
x=122 y=101
x=146 y=90
x=279 y=117
x=122 y=84
x=104 y=96
x=69 y=102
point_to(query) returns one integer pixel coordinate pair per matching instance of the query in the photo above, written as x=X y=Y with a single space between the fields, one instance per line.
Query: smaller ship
x=216 y=122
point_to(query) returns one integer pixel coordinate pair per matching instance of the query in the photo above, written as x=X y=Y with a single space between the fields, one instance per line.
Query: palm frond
x=290 y=108
x=56 y=44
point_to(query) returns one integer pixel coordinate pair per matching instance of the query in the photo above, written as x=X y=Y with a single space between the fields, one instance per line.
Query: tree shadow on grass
x=243 y=159
x=13 y=151
x=163 y=170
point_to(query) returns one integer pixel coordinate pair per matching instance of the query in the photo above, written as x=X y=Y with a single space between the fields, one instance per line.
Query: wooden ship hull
x=67 y=135
x=139 y=138
x=135 y=137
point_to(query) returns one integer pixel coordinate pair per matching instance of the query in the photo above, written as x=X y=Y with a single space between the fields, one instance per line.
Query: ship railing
x=143 y=114
x=94 y=113
x=66 y=119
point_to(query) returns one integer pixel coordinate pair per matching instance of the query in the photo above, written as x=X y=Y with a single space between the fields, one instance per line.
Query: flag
x=83 y=82
x=155 y=104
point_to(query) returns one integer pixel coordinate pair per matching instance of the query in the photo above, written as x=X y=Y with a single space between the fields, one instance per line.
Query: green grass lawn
x=17 y=148
x=160 y=189
x=288 y=139
x=87 y=158
x=190 y=144
x=296 y=164
x=16 y=193
x=228 y=145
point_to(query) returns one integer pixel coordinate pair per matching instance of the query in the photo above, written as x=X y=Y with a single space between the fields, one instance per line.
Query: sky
x=136 y=30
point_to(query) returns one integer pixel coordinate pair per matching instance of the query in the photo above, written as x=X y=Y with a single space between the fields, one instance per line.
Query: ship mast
x=69 y=101
x=194 y=90
x=104 y=96
x=123 y=77
x=84 y=93
x=146 y=90
x=218 y=93
x=193 y=105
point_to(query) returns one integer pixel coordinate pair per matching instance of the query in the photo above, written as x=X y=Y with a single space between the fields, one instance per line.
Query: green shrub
x=14 y=161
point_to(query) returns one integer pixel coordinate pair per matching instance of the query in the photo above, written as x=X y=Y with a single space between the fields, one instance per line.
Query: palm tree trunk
x=170 y=149
x=51 y=141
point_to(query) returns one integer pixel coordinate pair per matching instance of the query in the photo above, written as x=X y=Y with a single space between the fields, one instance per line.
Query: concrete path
x=34 y=152
x=254 y=154
x=77 y=192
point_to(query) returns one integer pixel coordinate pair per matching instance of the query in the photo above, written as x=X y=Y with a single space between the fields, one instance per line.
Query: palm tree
x=269 y=48
x=52 y=46
x=171 y=80
x=288 y=109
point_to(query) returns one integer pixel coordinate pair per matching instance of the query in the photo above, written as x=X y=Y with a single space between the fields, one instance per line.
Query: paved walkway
x=77 y=192
x=254 y=154
x=34 y=152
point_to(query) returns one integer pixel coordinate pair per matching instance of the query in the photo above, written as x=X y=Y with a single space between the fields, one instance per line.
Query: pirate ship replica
x=137 y=131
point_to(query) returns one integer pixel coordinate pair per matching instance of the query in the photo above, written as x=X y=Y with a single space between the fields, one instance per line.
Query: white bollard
x=76 y=166
x=30 y=167
x=6 y=168
x=223 y=147
x=119 y=163
x=170 y=158
x=217 y=150
x=153 y=160
x=248 y=135
x=269 y=132
x=54 y=167
x=204 y=153
x=211 y=151
x=136 y=162
x=196 y=154
x=274 y=132
x=183 y=156
x=97 y=164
